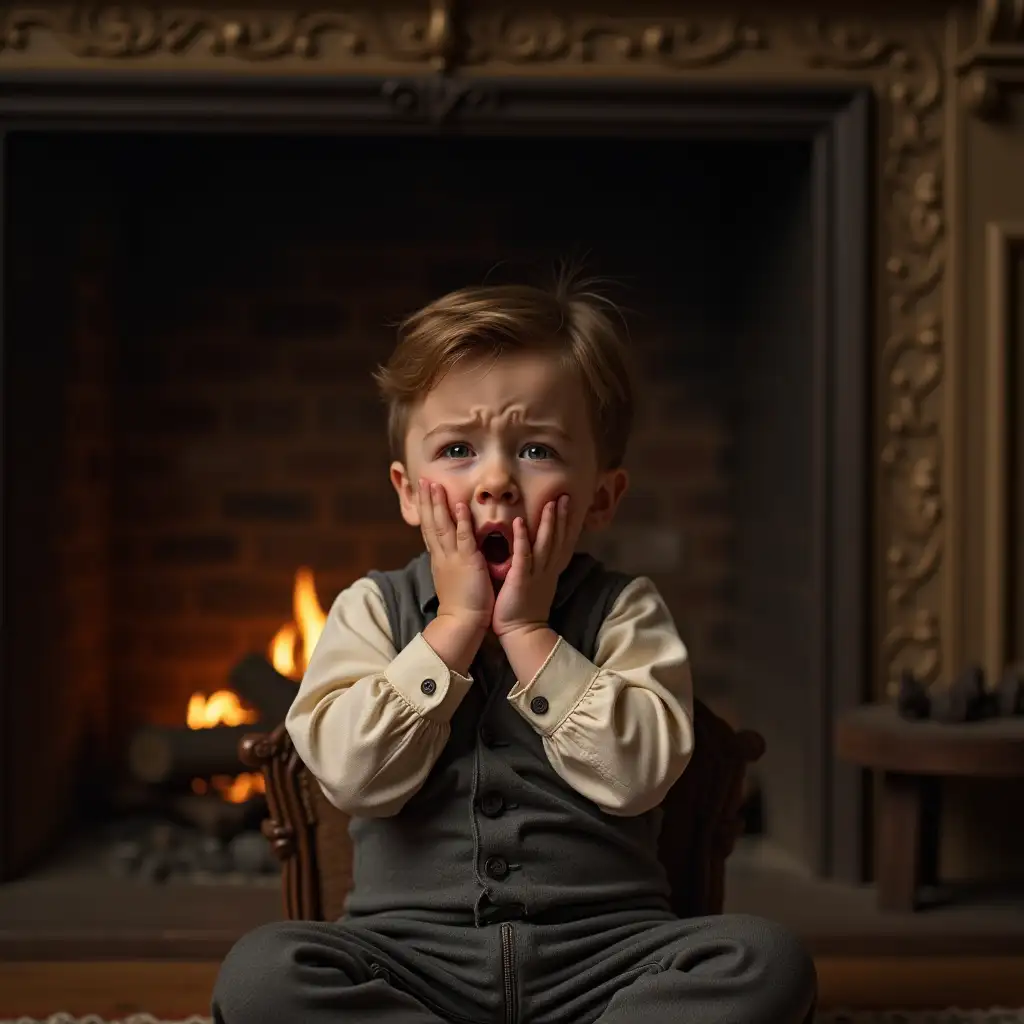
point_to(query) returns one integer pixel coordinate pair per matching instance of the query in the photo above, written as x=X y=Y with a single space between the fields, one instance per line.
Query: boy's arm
x=367 y=722
x=618 y=729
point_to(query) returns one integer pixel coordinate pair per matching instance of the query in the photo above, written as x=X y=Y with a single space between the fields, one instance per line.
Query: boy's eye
x=459 y=450
x=535 y=452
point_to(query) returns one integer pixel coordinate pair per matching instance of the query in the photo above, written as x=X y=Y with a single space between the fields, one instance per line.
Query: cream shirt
x=618 y=729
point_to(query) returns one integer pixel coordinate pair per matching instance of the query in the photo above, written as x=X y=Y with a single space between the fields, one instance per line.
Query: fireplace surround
x=871 y=96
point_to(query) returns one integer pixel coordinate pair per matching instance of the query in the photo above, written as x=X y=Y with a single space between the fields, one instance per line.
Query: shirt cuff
x=548 y=699
x=425 y=682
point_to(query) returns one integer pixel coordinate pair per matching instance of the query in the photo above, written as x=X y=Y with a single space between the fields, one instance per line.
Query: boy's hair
x=488 y=321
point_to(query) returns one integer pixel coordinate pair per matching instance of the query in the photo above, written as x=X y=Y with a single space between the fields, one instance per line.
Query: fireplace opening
x=196 y=460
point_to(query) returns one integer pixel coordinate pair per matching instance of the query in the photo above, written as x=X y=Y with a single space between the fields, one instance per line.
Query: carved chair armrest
x=748 y=748
x=726 y=824
x=702 y=813
x=291 y=823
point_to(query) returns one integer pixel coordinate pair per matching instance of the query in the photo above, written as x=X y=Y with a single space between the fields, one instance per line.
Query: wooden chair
x=702 y=821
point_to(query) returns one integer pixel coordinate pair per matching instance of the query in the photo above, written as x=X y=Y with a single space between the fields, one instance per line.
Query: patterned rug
x=993 y=1016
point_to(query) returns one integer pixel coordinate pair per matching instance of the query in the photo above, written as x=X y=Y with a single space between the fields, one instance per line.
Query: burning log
x=171 y=754
x=260 y=685
x=205 y=748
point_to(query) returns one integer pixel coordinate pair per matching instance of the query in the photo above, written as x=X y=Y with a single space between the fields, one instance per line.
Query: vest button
x=539 y=705
x=496 y=868
x=429 y=687
x=486 y=736
x=492 y=804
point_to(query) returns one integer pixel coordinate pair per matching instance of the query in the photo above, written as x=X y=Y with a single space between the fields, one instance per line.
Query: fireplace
x=895 y=140
x=193 y=442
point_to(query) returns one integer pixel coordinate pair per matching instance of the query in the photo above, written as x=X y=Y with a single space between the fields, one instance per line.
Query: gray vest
x=495 y=833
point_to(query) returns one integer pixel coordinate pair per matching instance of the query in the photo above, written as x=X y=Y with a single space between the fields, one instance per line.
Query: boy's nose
x=497 y=484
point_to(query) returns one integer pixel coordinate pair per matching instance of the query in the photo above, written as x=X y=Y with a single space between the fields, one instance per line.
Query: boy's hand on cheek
x=524 y=600
x=465 y=597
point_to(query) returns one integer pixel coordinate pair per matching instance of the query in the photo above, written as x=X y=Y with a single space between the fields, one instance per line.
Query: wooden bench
x=913 y=758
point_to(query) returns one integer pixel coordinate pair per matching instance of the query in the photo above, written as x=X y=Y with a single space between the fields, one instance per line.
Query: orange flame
x=293 y=643
x=221 y=708
x=235 y=789
x=289 y=654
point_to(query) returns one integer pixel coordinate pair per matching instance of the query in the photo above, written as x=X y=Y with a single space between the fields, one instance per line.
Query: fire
x=293 y=643
x=289 y=654
x=221 y=708
x=235 y=789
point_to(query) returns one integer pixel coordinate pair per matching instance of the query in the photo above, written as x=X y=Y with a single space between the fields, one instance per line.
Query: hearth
x=196 y=464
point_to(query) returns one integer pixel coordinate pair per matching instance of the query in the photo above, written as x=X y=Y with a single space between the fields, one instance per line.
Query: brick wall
x=252 y=296
x=84 y=542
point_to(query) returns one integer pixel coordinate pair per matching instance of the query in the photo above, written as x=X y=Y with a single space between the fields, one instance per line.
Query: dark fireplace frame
x=836 y=122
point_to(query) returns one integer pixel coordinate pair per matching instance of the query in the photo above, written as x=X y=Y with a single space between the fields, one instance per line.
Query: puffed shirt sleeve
x=618 y=729
x=368 y=722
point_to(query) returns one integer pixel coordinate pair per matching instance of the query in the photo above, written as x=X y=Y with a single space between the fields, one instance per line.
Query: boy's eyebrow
x=549 y=428
x=466 y=425
x=451 y=428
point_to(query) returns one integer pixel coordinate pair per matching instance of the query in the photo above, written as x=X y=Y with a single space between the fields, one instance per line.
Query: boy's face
x=506 y=436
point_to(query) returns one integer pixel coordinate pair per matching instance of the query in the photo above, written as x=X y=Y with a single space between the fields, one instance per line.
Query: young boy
x=502 y=717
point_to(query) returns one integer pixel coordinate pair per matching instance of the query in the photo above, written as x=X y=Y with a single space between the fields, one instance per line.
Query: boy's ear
x=406 y=491
x=611 y=487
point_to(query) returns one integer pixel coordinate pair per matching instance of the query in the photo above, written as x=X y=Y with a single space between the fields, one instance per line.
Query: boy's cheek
x=453 y=493
x=577 y=514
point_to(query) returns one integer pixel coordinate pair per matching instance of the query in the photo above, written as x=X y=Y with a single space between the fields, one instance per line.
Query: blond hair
x=488 y=321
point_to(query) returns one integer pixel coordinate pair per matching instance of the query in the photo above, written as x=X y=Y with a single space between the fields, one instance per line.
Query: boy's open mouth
x=496 y=546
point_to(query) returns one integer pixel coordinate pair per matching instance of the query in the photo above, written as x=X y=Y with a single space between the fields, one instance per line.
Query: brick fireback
x=224 y=429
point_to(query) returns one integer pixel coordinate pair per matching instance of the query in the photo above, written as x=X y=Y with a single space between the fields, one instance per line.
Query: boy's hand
x=524 y=600
x=464 y=592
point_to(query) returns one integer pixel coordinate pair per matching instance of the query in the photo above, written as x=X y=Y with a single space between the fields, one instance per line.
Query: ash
x=225 y=847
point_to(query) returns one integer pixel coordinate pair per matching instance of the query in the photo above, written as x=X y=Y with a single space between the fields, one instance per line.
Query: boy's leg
x=341 y=972
x=727 y=969
x=622 y=969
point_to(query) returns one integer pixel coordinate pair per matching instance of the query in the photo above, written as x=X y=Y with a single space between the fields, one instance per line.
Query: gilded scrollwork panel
x=909 y=81
x=679 y=43
x=137 y=34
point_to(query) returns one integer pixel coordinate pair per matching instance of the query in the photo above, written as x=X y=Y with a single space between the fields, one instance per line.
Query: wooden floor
x=176 y=989
x=93 y=944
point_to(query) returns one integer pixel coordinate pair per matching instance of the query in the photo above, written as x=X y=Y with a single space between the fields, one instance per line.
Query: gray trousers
x=616 y=968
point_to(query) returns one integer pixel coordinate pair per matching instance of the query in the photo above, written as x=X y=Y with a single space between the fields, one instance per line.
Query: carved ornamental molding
x=995 y=60
x=903 y=64
x=911 y=360
x=427 y=36
x=114 y=32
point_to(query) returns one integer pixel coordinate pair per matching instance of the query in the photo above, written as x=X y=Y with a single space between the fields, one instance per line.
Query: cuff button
x=539 y=705
x=429 y=687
